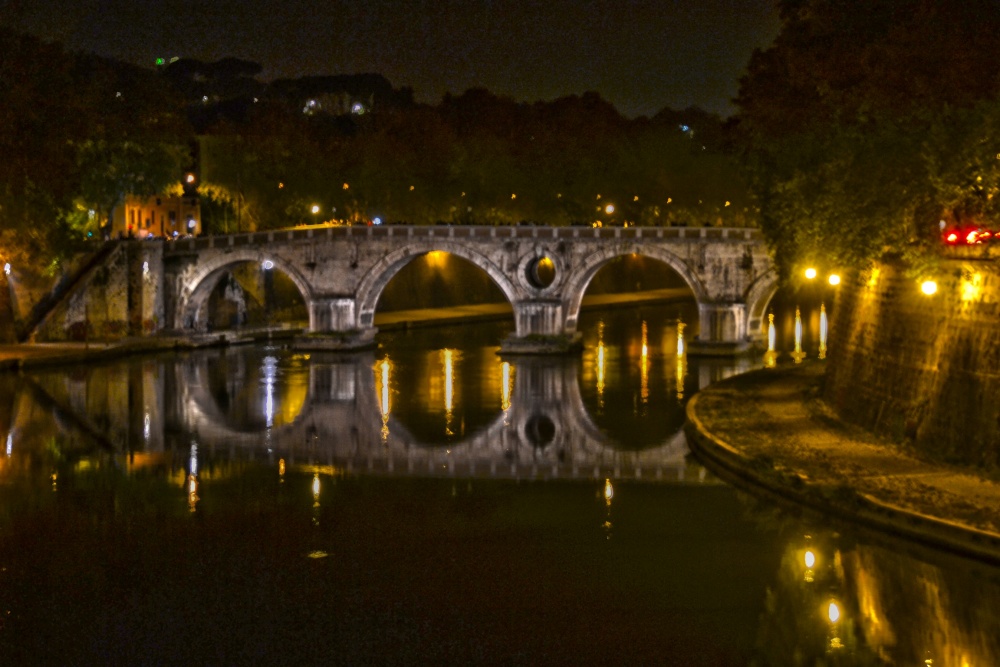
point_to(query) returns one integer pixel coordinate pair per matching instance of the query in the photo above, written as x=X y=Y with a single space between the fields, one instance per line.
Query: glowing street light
x=834 y=279
x=928 y=287
x=609 y=209
x=810 y=273
x=315 y=209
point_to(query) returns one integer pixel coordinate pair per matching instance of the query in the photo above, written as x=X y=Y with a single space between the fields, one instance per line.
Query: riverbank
x=768 y=431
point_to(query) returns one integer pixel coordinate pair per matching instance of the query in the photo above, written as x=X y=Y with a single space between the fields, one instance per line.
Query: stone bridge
x=542 y=271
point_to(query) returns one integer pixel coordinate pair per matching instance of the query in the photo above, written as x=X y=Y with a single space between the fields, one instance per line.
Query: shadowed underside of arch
x=758 y=297
x=577 y=283
x=378 y=277
x=190 y=311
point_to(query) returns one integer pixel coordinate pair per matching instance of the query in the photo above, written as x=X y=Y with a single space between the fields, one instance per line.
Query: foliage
x=868 y=124
x=475 y=158
x=77 y=133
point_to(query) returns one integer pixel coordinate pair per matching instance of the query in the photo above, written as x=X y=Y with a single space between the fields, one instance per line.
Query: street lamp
x=810 y=273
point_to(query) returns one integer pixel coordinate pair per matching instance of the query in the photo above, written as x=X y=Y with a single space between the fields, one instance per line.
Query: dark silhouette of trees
x=869 y=125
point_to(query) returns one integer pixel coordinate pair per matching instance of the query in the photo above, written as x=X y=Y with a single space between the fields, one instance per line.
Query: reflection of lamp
x=822 y=331
x=770 y=357
x=644 y=366
x=505 y=386
x=798 y=355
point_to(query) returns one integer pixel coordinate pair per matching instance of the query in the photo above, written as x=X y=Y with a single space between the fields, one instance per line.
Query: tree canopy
x=78 y=133
x=869 y=125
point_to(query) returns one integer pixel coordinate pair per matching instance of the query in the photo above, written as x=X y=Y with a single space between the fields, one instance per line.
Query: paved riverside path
x=768 y=430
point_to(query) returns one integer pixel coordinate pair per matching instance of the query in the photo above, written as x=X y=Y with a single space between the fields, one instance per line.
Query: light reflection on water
x=214 y=471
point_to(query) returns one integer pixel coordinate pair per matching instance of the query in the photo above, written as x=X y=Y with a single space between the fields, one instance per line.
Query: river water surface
x=432 y=502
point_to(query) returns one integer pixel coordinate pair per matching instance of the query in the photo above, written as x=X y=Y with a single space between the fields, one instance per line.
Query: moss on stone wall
x=922 y=368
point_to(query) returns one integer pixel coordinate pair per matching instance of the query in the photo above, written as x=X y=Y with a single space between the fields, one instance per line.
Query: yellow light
x=505 y=379
x=810 y=559
x=609 y=491
x=635 y=198
x=810 y=273
x=315 y=487
x=971 y=286
x=280 y=185
x=315 y=208
x=834 y=279
x=281 y=467
x=513 y=195
x=644 y=366
x=833 y=612
x=189 y=178
x=347 y=186
x=609 y=209
x=928 y=287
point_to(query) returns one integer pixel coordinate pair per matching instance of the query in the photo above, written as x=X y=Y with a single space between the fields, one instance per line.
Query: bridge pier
x=722 y=330
x=540 y=328
x=333 y=325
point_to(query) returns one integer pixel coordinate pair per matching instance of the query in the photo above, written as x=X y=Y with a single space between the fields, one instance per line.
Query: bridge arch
x=758 y=297
x=577 y=283
x=196 y=287
x=371 y=285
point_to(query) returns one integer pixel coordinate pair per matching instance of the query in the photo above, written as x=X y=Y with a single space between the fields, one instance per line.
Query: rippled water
x=432 y=502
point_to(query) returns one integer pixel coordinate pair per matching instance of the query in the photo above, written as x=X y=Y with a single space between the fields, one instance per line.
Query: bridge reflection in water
x=522 y=418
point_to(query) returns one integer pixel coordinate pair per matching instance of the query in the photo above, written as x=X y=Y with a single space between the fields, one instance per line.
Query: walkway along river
x=432 y=501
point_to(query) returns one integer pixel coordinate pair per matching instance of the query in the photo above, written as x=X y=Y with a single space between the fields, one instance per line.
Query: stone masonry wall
x=121 y=297
x=923 y=368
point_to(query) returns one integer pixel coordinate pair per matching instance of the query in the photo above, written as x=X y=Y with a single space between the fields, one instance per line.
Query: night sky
x=641 y=56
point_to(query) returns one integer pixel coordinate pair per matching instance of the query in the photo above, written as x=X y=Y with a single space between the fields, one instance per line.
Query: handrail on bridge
x=732 y=234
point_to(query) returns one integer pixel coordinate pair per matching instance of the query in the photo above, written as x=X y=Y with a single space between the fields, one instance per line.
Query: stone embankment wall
x=120 y=297
x=918 y=367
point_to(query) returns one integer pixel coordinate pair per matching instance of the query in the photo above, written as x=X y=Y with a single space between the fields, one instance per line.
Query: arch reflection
x=346 y=411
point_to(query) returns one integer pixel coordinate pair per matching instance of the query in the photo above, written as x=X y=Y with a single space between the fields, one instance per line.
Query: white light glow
x=810 y=273
x=822 y=331
x=270 y=377
x=193 y=460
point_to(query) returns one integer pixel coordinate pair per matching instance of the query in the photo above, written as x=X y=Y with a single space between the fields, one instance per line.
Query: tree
x=855 y=121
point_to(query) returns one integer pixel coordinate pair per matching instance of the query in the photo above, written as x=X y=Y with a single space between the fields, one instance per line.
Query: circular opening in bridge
x=540 y=431
x=541 y=272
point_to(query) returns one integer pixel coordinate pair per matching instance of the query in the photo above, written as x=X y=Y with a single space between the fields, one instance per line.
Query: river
x=431 y=501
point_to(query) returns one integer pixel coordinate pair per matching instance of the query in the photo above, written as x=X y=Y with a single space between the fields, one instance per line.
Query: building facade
x=161 y=216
